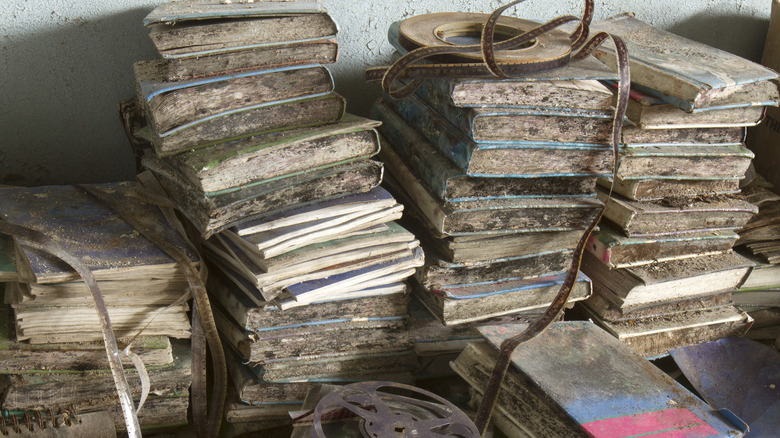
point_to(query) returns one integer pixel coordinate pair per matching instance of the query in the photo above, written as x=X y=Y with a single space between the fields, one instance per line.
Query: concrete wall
x=65 y=64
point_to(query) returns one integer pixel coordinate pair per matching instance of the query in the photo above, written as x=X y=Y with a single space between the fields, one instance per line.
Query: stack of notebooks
x=498 y=180
x=759 y=240
x=252 y=144
x=52 y=344
x=662 y=263
x=575 y=380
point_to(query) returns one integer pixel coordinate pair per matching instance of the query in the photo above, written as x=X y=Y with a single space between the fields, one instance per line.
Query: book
x=511 y=124
x=255 y=317
x=18 y=356
x=245 y=122
x=635 y=135
x=606 y=310
x=60 y=424
x=657 y=189
x=650 y=113
x=438 y=273
x=687 y=73
x=143 y=292
x=654 y=336
x=318 y=51
x=90 y=231
x=637 y=286
x=501 y=215
x=7 y=264
x=534 y=398
x=484 y=247
x=91 y=389
x=53 y=324
x=253 y=347
x=729 y=161
x=276 y=154
x=214 y=213
x=762 y=276
x=583 y=94
x=616 y=250
x=503 y=159
x=450 y=183
x=171 y=105
x=462 y=304
x=672 y=215
x=194 y=29
x=333 y=366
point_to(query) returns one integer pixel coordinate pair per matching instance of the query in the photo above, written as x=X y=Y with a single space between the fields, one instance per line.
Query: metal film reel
x=398 y=411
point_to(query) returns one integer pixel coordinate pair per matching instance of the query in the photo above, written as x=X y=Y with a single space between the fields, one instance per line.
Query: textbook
x=263 y=157
x=721 y=161
x=451 y=183
x=216 y=212
x=193 y=29
x=673 y=215
x=563 y=383
x=686 y=73
x=634 y=135
x=173 y=104
x=244 y=122
x=654 y=283
x=460 y=304
x=504 y=159
x=72 y=217
x=658 y=189
x=616 y=250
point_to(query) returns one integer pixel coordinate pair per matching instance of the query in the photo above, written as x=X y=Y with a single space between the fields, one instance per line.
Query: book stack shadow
x=662 y=263
x=498 y=179
x=52 y=354
x=249 y=140
x=759 y=240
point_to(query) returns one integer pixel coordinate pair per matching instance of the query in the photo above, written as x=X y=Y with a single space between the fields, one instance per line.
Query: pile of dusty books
x=498 y=177
x=662 y=263
x=759 y=240
x=52 y=353
x=252 y=144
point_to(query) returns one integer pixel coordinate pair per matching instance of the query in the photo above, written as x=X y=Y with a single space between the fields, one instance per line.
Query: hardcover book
x=653 y=337
x=231 y=164
x=563 y=383
x=74 y=218
x=192 y=29
x=670 y=215
x=658 y=189
x=687 y=73
x=679 y=162
x=173 y=104
x=616 y=250
x=654 y=283
x=214 y=213
x=504 y=159
x=451 y=183
x=460 y=304
x=245 y=122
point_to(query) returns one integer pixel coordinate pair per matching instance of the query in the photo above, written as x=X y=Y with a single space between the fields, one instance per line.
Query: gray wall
x=65 y=64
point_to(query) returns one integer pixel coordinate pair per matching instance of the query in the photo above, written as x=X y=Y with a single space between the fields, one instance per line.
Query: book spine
x=435 y=170
x=448 y=138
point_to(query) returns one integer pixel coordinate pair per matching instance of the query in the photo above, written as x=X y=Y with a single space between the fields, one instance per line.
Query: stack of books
x=52 y=349
x=565 y=382
x=759 y=240
x=662 y=263
x=498 y=177
x=248 y=138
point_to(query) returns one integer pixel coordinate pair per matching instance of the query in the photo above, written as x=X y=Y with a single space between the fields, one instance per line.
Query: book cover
x=451 y=183
x=582 y=370
x=687 y=73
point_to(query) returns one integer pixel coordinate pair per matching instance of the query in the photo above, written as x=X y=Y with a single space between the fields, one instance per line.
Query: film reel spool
x=384 y=414
x=464 y=28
